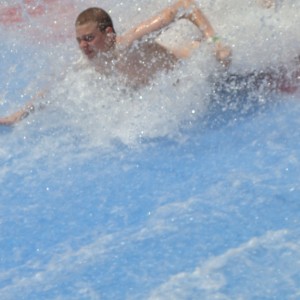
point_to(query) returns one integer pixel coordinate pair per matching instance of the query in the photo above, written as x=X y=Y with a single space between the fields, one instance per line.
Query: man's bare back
x=140 y=64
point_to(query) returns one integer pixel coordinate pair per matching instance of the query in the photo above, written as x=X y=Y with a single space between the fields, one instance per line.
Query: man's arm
x=181 y=9
x=17 y=116
x=29 y=108
x=196 y=16
x=167 y=16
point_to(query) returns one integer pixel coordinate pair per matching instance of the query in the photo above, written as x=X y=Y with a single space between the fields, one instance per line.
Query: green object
x=215 y=39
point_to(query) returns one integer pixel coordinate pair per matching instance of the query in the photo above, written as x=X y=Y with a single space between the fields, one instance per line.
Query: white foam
x=106 y=112
x=264 y=255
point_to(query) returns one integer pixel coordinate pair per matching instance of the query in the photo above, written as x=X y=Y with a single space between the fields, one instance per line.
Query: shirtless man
x=134 y=57
x=138 y=59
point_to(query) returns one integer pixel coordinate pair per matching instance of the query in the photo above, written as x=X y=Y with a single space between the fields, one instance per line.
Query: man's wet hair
x=97 y=15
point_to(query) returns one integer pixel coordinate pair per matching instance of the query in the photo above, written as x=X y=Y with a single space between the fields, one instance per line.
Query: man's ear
x=108 y=30
x=110 y=37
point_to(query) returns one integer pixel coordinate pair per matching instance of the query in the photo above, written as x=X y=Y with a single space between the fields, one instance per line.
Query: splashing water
x=185 y=189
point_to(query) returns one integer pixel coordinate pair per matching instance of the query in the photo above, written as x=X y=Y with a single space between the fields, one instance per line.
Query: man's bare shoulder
x=124 y=41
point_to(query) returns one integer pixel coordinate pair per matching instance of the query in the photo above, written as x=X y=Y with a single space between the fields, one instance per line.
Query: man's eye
x=89 y=38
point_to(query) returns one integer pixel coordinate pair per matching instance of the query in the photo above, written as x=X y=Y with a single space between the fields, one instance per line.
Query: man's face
x=91 y=40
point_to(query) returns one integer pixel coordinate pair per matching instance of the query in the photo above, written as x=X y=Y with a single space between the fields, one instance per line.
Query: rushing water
x=186 y=189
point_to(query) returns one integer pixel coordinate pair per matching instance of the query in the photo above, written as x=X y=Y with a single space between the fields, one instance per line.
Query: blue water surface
x=120 y=225
x=214 y=215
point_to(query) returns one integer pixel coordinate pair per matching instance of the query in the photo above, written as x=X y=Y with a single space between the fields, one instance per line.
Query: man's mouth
x=89 y=53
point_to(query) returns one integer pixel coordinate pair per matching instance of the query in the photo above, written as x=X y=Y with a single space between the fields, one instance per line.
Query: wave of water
x=185 y=189
x=125 y=116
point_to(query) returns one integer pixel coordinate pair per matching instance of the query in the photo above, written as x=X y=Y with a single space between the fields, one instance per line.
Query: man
x=98 y=41
x=136 y=58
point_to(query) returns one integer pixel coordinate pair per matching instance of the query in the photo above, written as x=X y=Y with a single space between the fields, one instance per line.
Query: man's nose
x=83 y=44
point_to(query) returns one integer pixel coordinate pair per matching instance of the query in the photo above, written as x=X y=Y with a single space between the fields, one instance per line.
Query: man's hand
x=17 y=116
x=223 y=54
x=14 y=118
